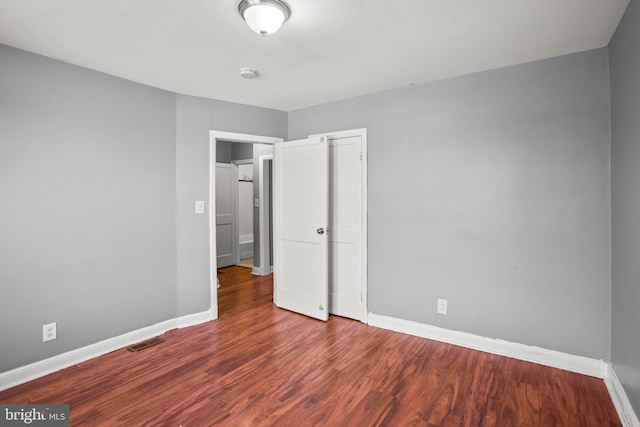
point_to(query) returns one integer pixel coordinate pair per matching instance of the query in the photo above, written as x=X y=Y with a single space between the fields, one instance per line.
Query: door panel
x=226 y=245
x=301 y=216
x=345 y=222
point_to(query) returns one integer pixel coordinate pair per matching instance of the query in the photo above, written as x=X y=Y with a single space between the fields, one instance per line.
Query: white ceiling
x=328 y=50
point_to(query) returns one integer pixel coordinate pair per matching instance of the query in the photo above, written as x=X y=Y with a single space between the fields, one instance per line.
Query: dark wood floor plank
x=258 y=365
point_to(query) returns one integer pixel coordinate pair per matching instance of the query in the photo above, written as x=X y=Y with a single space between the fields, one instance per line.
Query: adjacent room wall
x=241 y=151
x=227 y=151
x=245 y=210
x=223 y=152
x=625 y=184
x=492 y=191
x=195 y=118
x=259 y=150
x=87 y=206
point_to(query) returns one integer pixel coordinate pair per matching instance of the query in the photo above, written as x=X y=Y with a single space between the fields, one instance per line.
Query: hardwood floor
x=258 y=365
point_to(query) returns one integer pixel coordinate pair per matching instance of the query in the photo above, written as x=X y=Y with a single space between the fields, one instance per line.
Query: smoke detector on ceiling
x=248 y=73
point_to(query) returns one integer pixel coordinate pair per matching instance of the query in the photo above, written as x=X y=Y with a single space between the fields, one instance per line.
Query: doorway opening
x=346 y=227
x=243 y=206
x=225 y=240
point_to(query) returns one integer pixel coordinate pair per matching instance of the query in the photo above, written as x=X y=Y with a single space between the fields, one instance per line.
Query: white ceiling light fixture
x=264 y=16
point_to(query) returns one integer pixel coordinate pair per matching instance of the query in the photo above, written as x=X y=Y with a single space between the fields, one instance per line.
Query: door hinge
x=360 y=156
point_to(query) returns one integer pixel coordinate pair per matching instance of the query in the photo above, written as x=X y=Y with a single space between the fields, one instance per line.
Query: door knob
x=320 y=230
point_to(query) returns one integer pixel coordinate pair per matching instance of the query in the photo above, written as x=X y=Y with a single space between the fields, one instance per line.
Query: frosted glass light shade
x=264 y=19
x=264 y=16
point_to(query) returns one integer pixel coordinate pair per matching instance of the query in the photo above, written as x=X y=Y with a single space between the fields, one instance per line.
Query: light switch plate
x=199 y=206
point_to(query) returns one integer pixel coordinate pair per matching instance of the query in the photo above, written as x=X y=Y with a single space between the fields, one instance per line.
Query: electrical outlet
x=49 y=332
x=442 y=306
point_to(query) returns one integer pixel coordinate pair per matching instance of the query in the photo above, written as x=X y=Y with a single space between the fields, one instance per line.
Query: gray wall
x=196 y=117
x=625 y=158
x=87 y=206
x=490 y=190
x=98 y=178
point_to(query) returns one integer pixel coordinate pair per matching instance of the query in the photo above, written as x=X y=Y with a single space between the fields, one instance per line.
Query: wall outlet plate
x=49 y=332
x=442 y=306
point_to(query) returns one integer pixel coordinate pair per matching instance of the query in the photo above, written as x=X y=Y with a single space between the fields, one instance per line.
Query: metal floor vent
x=145 y=344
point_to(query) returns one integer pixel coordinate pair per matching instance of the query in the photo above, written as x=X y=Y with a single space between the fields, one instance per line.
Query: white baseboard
x=620 y=400
x=41 y=368
x=556 y=359
x=262 y=270
x=579 y=364
x=195 y=319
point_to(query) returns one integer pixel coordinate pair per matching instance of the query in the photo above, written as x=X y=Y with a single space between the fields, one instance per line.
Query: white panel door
x=301 y=217
x=345 y=223
x=226 y=245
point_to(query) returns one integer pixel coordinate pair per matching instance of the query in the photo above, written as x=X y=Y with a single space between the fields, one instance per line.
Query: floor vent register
x=145 y=344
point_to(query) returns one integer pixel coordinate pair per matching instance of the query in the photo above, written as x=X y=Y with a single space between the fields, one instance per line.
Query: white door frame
x=362 y=133
x=214 y=136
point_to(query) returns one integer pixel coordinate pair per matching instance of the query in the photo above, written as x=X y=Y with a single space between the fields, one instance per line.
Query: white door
x=301 y=217
x=226 y=245
x=345 y=223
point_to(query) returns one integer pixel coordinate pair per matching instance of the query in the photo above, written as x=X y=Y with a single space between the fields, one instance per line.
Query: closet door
x=226 y=245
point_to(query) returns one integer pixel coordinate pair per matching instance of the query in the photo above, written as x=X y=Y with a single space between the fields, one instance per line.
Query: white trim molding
x=262 y=270
x=196 y=318
x=555 y=359
x=244 y=137
x=620 y=399
x=53 y=364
